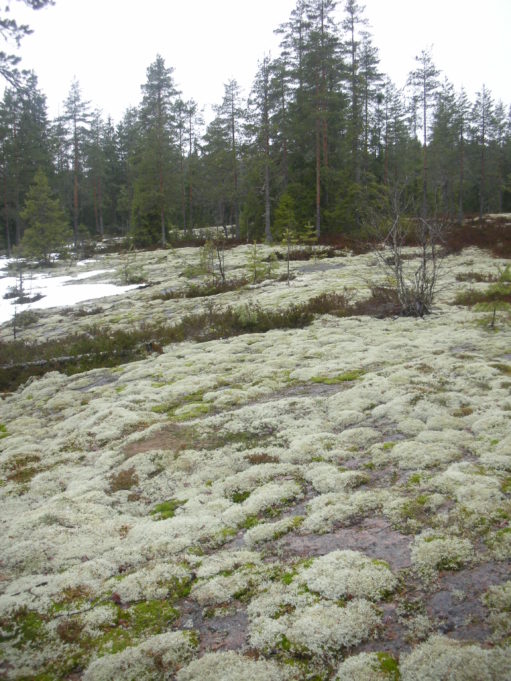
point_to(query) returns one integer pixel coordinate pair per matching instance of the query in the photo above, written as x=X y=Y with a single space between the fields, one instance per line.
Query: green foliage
x=389 y=666
x=207 y=258
x=497 y=298
x=356 y=203
x=249 y=522
x=145 y=214
x=308 y=235
x=167 y=509
x=203 y=290
x=239 y=497
x=285 y=218
x=47 y=231
x=256 y=268
x=102 y=347
x=342 y=378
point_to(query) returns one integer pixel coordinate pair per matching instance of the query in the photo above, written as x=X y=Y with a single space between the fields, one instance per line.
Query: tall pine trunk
x=75 y=184
x=6 y=216
x=318 y=176
x=461 y=177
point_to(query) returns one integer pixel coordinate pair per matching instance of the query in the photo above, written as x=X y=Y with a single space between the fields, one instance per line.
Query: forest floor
x=330 y=502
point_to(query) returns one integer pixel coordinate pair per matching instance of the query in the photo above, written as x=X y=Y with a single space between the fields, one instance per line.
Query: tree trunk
x=95 y=204
x=424 y=155
x=235 y=172
x=267 y=225
x=462 y=171
x=183 y=190
x=75 y=184
x=6 y=212
x=285 y=171
x=100 y=209
x=318 y=178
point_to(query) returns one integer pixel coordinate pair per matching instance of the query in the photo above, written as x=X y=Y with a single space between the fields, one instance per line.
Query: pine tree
x=76 y=121
x=127 y=135
x=443 y=150
x=462 y=127
x=230 y=115
x=260 y=130
x=47 y=228
x=351 y=25
x=156 y=156
x=482 y=115
x=424 y=83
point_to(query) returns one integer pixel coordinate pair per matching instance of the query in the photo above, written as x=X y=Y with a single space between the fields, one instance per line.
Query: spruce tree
x=156 y=156
x=24 y=133
x=47 y=229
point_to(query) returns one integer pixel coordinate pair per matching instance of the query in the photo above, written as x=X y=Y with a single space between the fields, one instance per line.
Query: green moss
x=452 y=563
x=239 y=497
x=505 y=485
x=503 y=368
x=415 y=509
x=228 y=532
x=415 y=479
x=150 y=617
x=3 y=431
x=285 y=643
x=161 y=409
x=25 y=627
x=389 y=666
x=194 y=412
x=502 y=533
x=250 y=521
x=380 y=563
x=167 y=509
x=30 y=626
x=196 y=407
x=297 y=521
x=288 y=577
x=342 y=378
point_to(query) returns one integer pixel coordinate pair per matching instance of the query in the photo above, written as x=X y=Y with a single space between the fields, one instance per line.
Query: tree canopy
x=323 y=131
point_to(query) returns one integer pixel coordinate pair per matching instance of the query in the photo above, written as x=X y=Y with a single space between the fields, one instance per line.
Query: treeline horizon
x=322 y=143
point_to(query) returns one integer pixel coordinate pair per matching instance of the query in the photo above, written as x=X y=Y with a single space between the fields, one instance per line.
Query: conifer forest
x=321 y=140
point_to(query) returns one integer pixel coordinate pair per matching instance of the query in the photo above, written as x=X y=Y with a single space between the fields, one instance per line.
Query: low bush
x=102 y=347
x=202 y=290
x=493 y=235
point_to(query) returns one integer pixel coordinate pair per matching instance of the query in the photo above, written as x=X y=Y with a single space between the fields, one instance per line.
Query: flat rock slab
x=373 y=536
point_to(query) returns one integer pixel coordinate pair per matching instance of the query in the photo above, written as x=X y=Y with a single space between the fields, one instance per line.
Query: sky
x=107 y=45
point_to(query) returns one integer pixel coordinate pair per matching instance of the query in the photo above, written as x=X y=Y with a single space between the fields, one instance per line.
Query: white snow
x=57 y=291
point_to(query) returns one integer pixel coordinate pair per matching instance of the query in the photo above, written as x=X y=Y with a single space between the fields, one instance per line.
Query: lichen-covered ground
x=328 y=503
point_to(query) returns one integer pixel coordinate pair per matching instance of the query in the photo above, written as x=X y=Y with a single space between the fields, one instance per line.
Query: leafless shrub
x=414 y=279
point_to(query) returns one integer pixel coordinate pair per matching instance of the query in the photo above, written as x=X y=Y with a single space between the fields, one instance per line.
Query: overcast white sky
x=108 y=44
